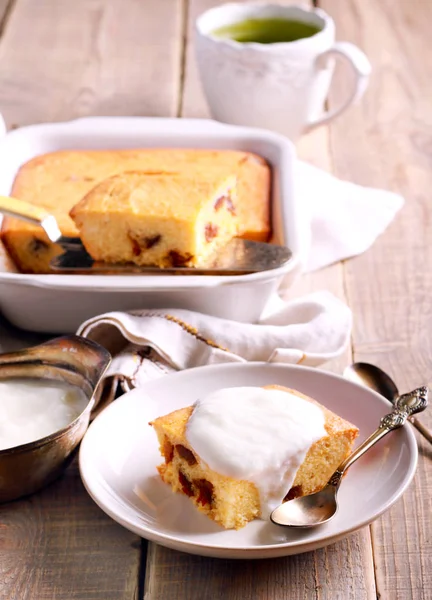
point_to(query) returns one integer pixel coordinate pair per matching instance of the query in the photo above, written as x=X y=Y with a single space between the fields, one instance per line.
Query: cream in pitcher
x=31 y=409
x=271 y=66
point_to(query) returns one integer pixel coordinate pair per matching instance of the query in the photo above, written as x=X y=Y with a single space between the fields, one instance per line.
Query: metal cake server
x=237 y=257
x=319 y=508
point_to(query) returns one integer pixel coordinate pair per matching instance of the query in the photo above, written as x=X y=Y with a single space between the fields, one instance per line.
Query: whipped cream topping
x=255 y=434
x=31 y=409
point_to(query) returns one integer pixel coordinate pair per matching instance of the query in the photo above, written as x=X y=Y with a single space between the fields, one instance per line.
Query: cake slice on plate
x=239 y=452
x=153 y=219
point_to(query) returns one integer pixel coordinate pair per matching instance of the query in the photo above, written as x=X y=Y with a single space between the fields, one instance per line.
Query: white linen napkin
x=150 y=343
x=345 y=218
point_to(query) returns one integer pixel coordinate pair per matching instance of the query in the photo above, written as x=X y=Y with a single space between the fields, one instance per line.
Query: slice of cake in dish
x=58 y=180
x=163 y=220
x=239 y=452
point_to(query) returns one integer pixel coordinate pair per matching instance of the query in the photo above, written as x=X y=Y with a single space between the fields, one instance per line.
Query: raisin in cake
x=272 y=463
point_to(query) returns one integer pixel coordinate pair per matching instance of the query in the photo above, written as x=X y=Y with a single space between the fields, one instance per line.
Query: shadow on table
x=12 y=338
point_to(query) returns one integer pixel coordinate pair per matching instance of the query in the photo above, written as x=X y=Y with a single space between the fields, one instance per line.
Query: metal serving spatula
x=237 y=257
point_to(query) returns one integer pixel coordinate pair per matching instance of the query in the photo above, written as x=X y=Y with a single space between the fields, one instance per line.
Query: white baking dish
x=59 y=303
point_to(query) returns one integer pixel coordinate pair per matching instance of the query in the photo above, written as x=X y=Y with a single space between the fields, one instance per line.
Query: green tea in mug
x=266 y=31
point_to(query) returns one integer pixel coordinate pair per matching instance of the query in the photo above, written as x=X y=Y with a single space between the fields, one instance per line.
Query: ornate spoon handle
x=405 y=406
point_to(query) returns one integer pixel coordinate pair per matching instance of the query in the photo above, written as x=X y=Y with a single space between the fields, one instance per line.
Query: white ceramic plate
x=119 y=455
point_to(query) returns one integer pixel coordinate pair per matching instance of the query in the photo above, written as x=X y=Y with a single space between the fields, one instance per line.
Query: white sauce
x=257 y=435
x=31 y=409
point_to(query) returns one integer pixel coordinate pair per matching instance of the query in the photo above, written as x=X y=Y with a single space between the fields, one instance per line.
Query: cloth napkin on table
x=345 y=219
x=146 y=344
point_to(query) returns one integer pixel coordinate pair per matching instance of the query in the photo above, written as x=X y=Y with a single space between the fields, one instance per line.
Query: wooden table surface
x=61 y=59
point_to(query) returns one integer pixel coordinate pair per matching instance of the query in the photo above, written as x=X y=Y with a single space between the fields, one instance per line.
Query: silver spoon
x=376 y=379
x=320 y=507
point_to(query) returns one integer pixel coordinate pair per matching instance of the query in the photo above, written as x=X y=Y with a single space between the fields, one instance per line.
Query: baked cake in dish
x=59 y=180
x=163 y=220
x=239 y=452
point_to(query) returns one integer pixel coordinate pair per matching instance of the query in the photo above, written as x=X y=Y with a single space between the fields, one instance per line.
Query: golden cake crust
x=321 y=461
x=59 y=180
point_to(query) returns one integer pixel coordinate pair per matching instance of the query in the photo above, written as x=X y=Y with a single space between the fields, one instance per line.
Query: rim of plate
x=271 y=550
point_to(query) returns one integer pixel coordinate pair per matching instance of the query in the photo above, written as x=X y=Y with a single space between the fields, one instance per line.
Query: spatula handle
x=22 y=210
x=32 y=214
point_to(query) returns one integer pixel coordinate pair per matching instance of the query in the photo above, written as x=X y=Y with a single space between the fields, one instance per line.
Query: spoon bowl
x=308 y=511
x=374 y=378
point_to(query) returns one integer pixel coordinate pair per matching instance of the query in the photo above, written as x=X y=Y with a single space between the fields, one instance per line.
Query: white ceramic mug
x=281 y=86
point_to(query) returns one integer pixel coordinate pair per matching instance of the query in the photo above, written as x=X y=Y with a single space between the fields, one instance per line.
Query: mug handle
x=361 y=66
